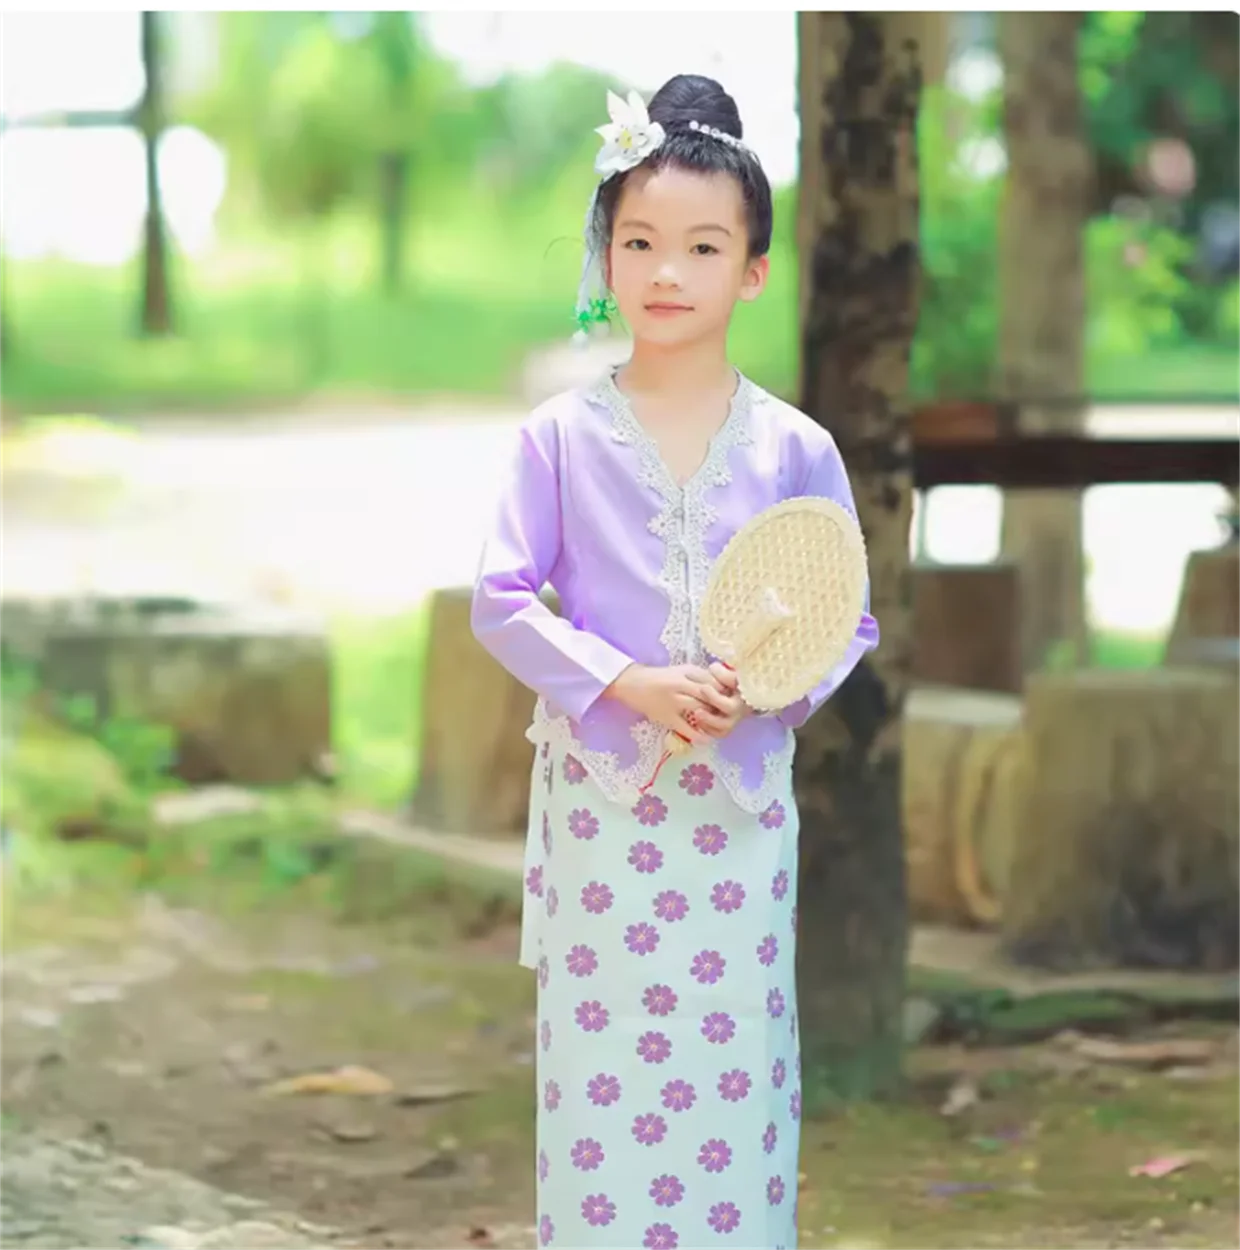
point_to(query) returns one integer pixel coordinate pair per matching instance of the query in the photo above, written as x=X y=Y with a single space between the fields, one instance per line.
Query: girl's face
x=679 y=257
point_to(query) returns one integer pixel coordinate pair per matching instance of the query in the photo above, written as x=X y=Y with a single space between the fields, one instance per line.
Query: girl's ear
x=754 y=281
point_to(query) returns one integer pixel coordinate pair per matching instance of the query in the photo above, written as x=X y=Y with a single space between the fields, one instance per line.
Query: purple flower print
x=603 y=1090
x=654 y=1047
x=544 y=1165
x=708 y=967
x=779 y=887
x=715 y=1155
x=794 y=1104
x=546 y=749
x=645 y=857
x=546 y=1034
x=642 y=938
x=709 y=839
x=597 y=898
x=587 y=1154
x=734 y=1086
x=727 y=897
x=768 y=950
x=650 y=810
x=581 y=961
x=678 y=1095
x=773 y=817
x=779 y=1073
x=551 y=1095
x=725 y=1217
x=546 y=1231
x=544 y=972
x=775 y=1190
x=534 y=881
x=546 y=834
x=574 y=770
x=598 y=1210
x=660 y=1000
x=770 y=1138
x=775 y=1004
x=549 y=775
x=661 y=1237
x=583 y=824
x=553 y=902
x=650 y=1129
x=666 y=1191
x=592 y=1017
x=719 y=1028
x=697 y=780
x=671 y=906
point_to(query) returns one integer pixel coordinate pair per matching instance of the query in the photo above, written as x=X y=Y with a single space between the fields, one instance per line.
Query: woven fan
x=783 y=602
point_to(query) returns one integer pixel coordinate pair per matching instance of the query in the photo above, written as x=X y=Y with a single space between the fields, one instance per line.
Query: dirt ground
x=161 y=1032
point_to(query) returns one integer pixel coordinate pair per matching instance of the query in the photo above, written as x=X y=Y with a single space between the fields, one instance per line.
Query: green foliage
x=1137 y=286
x=954 y=349
x=377 y=671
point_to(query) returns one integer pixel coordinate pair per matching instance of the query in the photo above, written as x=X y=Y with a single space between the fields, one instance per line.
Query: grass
x=260 y=325
x=377 y=668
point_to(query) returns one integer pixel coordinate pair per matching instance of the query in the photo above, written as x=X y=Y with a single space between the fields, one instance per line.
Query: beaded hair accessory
x=628 y=139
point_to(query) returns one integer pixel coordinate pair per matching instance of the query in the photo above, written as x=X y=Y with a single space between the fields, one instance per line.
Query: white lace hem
x=624 y=785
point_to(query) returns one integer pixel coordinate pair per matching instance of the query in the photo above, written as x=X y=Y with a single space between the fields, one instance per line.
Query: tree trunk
x=156 y=301
x=394 y=187
x=861 y=90
x=1042 y=311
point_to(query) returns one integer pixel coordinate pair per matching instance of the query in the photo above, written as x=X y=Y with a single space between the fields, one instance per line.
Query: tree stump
x=1209 y=599
x=967 y=626
x=474 y=773
x=1126 y=843
x=246 y=695
x=962 y=784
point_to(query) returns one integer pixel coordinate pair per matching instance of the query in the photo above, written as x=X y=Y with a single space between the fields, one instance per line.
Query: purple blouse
x=591 y=509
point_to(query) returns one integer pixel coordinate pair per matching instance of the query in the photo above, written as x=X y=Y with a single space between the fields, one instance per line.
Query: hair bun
x=694 y=98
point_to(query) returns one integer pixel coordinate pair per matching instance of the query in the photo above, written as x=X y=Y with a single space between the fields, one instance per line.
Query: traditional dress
x=662 y=924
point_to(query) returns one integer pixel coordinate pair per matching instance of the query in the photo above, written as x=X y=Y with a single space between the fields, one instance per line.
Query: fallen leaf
x=346 y=1080
x=1169 y=1053
x=963 y=1095
x=1164 y=1165
x=950 y=1189
x=431 y=1094
x=349 y=1133
x=481 y=1238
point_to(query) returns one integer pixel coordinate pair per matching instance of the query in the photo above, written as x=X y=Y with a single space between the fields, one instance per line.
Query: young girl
x=661 y=920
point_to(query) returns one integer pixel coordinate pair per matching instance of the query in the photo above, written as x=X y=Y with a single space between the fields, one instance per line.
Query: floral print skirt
x=668 y=1066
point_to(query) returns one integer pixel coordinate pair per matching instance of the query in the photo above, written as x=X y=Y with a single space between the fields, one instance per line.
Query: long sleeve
x=568 y=667
x=828 y=478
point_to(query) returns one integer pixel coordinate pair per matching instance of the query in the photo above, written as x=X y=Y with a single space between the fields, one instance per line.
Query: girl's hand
x=727 y=708
x=669 y=697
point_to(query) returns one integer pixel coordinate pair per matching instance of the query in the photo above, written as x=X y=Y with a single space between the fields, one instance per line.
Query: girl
x=661 y=921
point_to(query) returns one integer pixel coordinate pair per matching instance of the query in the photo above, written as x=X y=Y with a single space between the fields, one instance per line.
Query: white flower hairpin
x=628 y=138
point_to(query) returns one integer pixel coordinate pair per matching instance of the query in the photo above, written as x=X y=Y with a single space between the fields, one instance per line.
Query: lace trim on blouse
x=681 y=523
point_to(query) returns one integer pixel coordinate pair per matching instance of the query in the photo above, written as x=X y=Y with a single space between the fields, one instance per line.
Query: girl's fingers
x=725 y=676
x=716 y=699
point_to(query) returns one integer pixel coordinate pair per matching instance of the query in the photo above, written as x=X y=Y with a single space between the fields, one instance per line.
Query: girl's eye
x=705 y=249
x=637 y=245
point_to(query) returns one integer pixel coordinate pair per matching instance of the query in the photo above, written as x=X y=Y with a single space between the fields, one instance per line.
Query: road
x=366 y=513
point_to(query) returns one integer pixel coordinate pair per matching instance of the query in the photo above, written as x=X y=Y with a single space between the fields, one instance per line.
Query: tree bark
x=860 y=94
x=156 y=300
x=1042 y=311
x=394 y=181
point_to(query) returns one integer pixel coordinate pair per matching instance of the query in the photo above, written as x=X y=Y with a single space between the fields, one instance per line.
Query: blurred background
x=275 y=291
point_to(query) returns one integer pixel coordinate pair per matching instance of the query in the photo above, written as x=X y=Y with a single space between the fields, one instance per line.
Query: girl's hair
x=681 y=100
